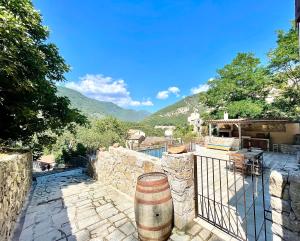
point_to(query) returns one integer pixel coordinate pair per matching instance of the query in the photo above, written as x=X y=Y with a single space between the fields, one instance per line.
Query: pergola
x=239 y=123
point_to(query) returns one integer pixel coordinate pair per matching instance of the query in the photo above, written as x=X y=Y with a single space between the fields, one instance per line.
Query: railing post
x=196 y=186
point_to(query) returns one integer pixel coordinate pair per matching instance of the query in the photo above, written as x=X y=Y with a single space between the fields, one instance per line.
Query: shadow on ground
x=71 y=206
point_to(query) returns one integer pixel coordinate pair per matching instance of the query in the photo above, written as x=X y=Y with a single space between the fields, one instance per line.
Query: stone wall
x=179 y=169
x=15 y=181
x=285 y=202
x=120 y=168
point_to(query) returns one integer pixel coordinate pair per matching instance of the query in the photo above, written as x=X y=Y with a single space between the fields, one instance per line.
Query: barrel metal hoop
x=141 y=226
x=160 y=201
x=165 y=237
x=152 y=191
x=152 y=183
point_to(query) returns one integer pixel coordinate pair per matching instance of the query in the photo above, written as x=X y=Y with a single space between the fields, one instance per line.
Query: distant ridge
x=99 y=109
x=177 y=113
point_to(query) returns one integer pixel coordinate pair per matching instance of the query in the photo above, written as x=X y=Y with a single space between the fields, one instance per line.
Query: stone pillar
x=179 y=169
x=285 y=202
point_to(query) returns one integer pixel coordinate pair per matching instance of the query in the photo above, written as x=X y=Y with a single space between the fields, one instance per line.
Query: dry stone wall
x=15 y=181
x=285 y=202
x=120 y=167
x=179 y=169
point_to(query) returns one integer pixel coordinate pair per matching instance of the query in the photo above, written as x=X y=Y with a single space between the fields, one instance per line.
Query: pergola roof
x=247 y=121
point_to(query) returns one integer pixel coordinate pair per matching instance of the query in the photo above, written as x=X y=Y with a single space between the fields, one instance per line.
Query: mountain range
x=97 y=109
x=175 y=114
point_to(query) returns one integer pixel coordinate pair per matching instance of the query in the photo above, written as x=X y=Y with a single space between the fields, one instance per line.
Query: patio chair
x=275 y=148
x=239 y=162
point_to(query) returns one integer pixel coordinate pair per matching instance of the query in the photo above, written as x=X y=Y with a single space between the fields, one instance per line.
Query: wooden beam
x=240 y=135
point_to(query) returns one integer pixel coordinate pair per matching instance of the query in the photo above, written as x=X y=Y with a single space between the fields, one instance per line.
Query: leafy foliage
x=243 y=87
x=100 y=133
x=239 y=88
x=285 y=68
x=30 y=66
x=246 y=108
x=185 y=132
x=149 y=130
x=72 y=156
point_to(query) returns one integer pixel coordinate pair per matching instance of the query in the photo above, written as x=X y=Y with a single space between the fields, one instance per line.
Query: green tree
x=185 y=132
x=239 y=88
x=146 y=127
x=285 y=69
x=99 y=133
x=103 y=132
x=30 y=67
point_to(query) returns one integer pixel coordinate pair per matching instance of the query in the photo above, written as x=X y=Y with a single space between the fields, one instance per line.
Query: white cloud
x=105 y=88
x=141 y=103
x=175 y=90
x=199 y=88
x=164 y=94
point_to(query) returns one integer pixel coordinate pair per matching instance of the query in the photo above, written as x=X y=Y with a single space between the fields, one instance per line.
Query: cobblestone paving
x=71 y=206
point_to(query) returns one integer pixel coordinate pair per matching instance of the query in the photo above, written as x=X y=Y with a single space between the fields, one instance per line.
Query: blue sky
x=149 y=54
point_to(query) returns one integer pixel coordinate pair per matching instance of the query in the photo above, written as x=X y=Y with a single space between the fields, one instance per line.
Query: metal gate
x=229 y=199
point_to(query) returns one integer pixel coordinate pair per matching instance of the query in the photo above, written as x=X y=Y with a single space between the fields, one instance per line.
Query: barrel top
x=152 y=178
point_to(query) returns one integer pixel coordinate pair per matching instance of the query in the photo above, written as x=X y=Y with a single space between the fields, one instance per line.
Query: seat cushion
x=219 y=147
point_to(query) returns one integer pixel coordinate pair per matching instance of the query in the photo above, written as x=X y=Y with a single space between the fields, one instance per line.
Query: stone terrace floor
x=71 y=206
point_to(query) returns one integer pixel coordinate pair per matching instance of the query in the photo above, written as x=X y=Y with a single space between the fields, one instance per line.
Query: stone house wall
x=285 y=202
x=15 y=181
x=121 y=167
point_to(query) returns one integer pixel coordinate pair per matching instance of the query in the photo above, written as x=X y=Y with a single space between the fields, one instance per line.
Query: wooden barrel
x=153 y=207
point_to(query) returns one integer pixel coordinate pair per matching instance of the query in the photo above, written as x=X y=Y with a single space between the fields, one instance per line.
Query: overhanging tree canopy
x=30 y=67
x=285 y=67
x=239 y=88
x=245 y=88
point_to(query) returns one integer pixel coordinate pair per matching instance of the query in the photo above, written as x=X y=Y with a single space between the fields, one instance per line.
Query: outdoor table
x=251 y=155
x=253 y=159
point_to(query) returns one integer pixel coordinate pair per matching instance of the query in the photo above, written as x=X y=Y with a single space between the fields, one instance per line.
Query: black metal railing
x=230 y=198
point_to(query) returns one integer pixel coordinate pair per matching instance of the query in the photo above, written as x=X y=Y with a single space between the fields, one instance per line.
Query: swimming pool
x=156 y=152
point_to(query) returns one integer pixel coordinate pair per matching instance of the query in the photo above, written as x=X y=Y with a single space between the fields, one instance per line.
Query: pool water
x=156 y=152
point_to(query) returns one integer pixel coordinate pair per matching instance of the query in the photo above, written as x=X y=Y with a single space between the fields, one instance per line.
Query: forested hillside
x=98 y=109
x=177 y=113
